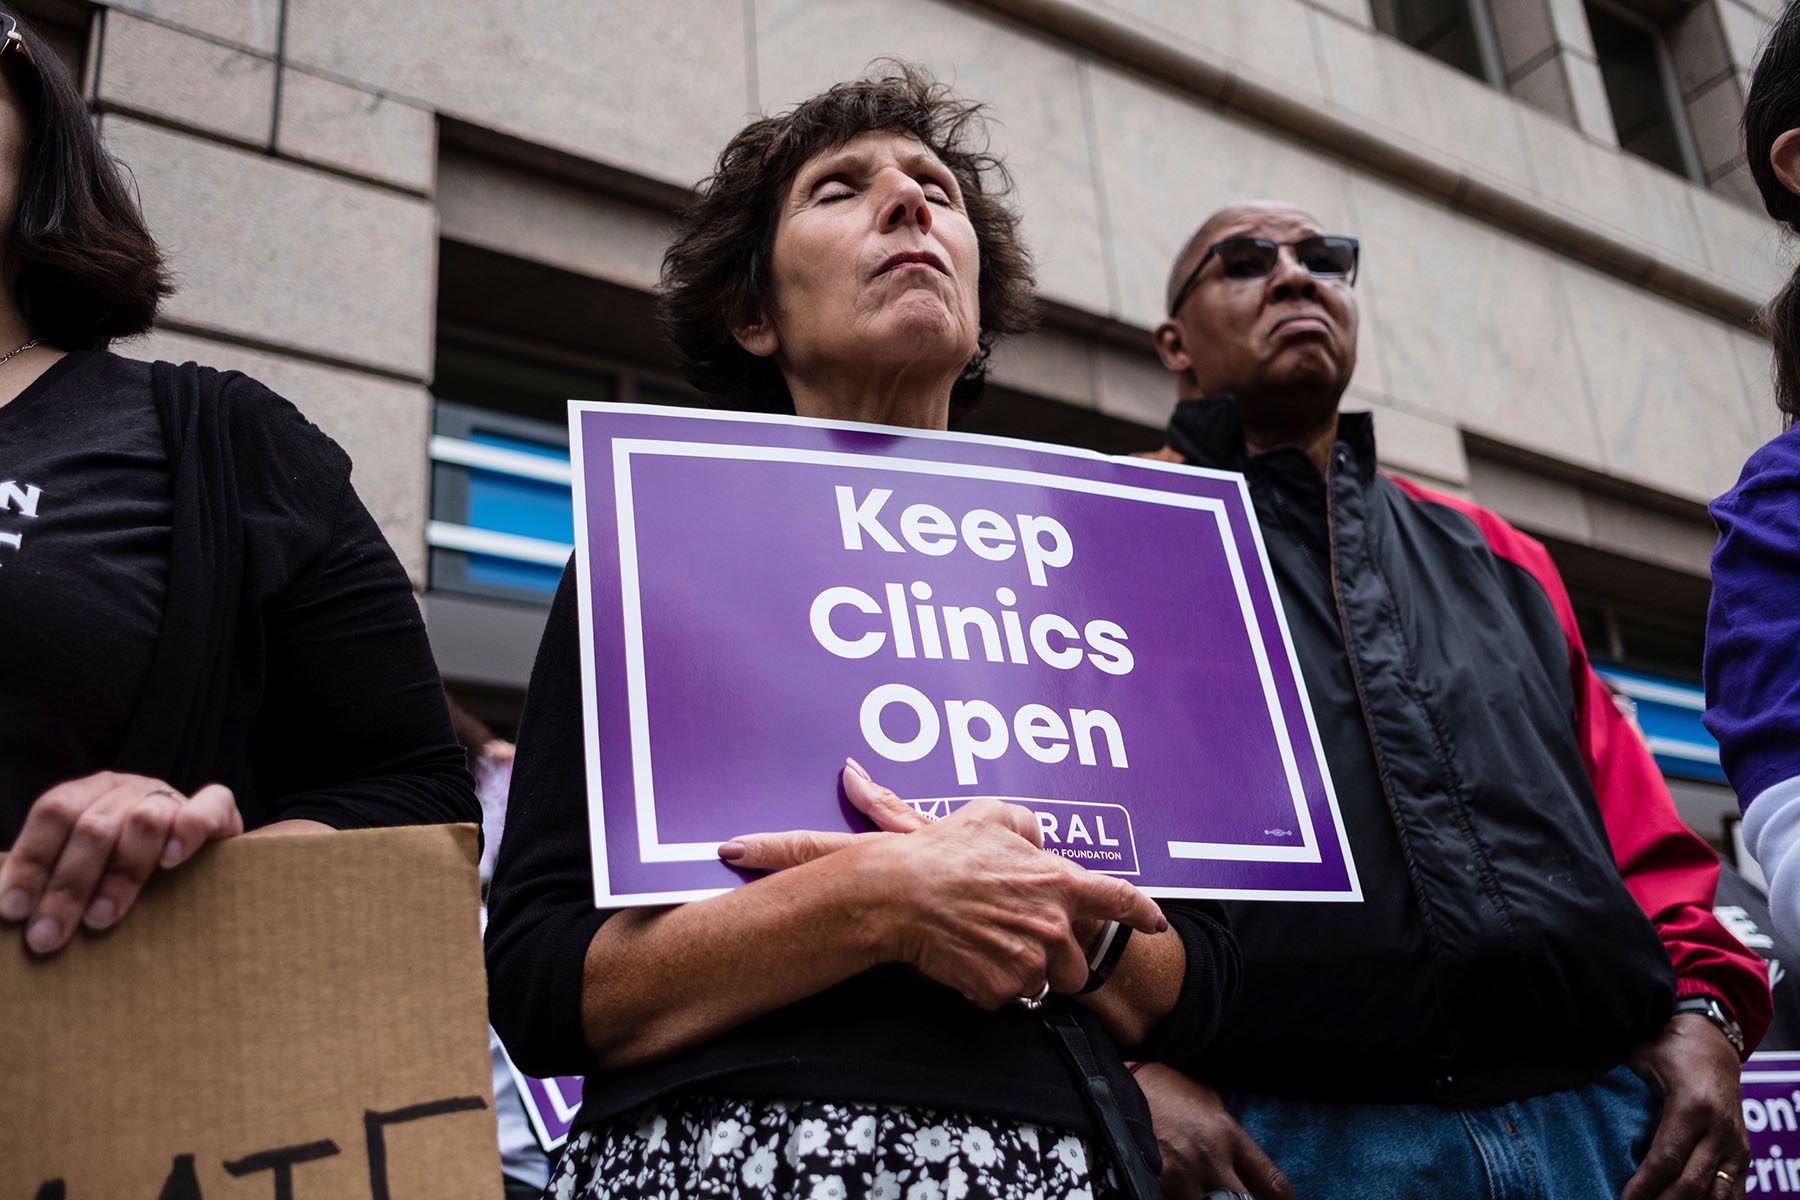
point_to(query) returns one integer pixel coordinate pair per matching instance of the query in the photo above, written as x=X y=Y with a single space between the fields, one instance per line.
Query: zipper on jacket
x=1340 y=458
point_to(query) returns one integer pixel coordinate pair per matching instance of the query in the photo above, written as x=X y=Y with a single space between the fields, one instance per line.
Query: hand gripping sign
x=1095 y=638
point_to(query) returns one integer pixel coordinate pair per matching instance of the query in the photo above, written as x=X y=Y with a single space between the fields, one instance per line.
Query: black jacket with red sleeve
x=1533 y=905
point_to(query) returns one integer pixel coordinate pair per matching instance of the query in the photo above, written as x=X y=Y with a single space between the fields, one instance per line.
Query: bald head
x=1230 y=221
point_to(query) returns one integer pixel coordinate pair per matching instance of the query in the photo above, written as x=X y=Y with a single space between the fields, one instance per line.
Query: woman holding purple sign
x=874 y=1016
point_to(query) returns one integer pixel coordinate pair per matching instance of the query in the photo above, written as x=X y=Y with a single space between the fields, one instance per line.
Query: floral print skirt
x=696 y=1146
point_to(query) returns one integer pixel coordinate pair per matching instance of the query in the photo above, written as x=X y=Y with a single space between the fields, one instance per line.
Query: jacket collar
x=1210 y=432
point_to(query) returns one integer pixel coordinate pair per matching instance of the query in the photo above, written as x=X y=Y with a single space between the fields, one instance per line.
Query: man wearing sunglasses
x=1534 y=997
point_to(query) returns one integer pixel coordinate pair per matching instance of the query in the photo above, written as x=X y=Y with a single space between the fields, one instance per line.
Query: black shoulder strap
x=175 y=728
x=1102 y=1104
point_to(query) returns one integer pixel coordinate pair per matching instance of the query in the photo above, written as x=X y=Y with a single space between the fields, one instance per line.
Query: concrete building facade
x=427 y=223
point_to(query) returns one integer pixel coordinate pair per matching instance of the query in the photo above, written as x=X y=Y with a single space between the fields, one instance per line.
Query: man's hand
x=1701 y=1133
x=1203 y=1148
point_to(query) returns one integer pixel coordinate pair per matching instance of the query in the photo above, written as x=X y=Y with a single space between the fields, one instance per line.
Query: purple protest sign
x=1096 y=638
x=1772 y=1117
x=550 y=1105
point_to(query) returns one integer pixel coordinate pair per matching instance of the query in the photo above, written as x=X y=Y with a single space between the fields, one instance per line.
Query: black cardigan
x=292 y=663
x=886 y=1036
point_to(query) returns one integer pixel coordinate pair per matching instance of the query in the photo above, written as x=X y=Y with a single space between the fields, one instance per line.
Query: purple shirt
x=1753 y=627
x=1753 y=661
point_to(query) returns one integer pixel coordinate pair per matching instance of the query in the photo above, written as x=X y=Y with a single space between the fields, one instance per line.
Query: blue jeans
x=1580 y=1144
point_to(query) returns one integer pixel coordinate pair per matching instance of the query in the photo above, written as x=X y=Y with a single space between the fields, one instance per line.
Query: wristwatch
x=1710 y=1008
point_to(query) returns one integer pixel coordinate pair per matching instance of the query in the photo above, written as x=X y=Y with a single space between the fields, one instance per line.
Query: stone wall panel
x=285 y=255
x=657 y=97
x=1034 y=95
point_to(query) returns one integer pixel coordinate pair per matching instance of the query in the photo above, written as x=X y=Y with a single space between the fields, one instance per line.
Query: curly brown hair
x=715 y=275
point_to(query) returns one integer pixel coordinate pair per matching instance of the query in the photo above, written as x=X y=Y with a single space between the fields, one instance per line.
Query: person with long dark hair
x=1753 y=625
x=204 y=631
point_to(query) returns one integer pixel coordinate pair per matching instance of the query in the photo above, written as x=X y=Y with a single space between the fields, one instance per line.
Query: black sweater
x=273 y=643
x=886 y=1036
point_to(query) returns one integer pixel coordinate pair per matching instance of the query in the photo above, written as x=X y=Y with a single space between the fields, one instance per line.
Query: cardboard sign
x=295 y=1016
x=1096 y=638
x=1772 y=1117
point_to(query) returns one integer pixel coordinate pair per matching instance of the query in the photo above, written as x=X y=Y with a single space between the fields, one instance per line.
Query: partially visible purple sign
x=1095 y=638
x=1772 y=1116
x=550 y=1106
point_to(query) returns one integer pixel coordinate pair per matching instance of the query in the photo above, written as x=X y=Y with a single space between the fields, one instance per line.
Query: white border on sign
x=565 y=1111
x=1773 y=1066
x=585 y=605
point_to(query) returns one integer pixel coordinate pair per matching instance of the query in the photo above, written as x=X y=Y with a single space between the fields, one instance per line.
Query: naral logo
x=1098 y=836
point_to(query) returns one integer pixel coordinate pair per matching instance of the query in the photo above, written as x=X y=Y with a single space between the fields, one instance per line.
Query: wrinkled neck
x=911 y=398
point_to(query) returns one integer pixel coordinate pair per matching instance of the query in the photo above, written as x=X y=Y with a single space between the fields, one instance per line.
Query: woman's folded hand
x=973 y=900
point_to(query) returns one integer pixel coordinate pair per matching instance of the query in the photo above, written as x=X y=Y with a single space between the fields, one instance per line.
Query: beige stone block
x=153 y=69
x=1715 y=114
x=1543 y=506
x=1767 y=10
x=1736 y=184
x=1033 y=88
x=356 y=131
x=1742 y=243
x=1370 y=378
x=656 y=90
x=285 y=255
x=1744 y=32
x=252 y=23
x=1473 y=325
x=1049 y=363
x=1422 y=100
x=1756 y=372
x=1670 y=409
x=1697 y=50
x=1167 y=163
x=1570 y=21
x=1262 y=37
x=1593 y=112
x=525 y=215
x=382 y=424
x=1613 y=190
x=1134 y=387
x=1356 y=11
x=1546 y=88
x=1651 y=535
x=1428 y=448
x=1523 y=29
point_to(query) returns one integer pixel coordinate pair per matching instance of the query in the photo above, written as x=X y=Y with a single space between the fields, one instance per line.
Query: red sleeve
x=1669 y=869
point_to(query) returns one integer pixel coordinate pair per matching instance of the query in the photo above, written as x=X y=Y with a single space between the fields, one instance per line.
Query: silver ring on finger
x=1033 y=1003
x=163 y=789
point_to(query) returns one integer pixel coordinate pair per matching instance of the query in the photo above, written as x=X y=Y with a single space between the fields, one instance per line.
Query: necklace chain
x=10 y=354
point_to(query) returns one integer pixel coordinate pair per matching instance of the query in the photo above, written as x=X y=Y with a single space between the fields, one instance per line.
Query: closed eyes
x=830 y=189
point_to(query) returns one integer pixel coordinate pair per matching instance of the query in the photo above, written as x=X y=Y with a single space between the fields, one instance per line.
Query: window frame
x=447 y=567
x=1487 y=44
x=1674 y=103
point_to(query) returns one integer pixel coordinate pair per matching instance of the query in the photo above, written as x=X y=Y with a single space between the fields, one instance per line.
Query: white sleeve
x=1772 y=832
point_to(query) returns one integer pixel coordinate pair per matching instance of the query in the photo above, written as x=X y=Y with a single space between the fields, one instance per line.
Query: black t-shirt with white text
x=85 y=511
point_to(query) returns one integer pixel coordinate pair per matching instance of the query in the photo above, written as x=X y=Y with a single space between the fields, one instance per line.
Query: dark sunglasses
x=1325 y=256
